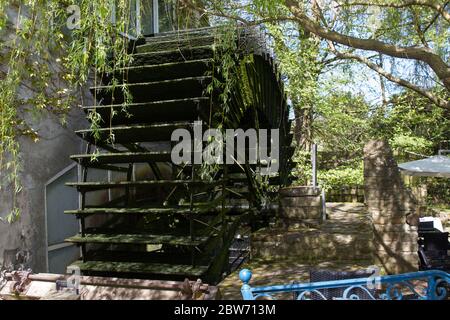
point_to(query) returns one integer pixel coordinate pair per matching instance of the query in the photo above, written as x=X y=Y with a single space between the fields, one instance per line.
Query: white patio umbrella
x=436 y=166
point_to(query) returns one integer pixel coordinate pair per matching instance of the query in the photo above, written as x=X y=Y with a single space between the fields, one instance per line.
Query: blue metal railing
x=424 y=285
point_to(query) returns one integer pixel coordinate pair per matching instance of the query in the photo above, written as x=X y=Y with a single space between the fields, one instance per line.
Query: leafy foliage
x=38 y=51
x=343 y=176
x=318 y=67
x=412 y=125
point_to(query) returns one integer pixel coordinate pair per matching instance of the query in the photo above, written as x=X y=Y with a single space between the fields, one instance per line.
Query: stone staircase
x=281 y=255
x=346 y=235
x=140 y=215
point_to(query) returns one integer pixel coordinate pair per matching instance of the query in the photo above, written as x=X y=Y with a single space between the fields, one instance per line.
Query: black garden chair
x=337 y=293
x=433 y=251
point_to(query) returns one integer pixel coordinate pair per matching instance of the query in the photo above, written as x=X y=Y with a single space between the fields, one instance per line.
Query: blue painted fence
x=424 y=285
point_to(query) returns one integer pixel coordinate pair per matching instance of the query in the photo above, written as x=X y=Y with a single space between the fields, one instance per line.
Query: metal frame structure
x=175 y=223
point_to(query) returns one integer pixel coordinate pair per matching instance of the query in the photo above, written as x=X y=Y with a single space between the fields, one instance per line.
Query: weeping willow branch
x=39 y=55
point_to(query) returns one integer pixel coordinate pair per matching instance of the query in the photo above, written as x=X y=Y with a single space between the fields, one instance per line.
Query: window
x=147 y=17
x=166 y=15
x=150 y=21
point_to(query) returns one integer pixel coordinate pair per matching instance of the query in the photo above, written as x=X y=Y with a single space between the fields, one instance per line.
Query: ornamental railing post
x=245 y=276
x=431 y=288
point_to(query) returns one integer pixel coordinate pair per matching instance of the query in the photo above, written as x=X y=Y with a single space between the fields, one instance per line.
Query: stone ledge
x=300 y=192
x=396 y=246
x=385 y=220
x=307 y=201
x=394 y=228
x=395 y=236
x=276 y=251
x=312 y=244
x=301 y=212
x=389 y=205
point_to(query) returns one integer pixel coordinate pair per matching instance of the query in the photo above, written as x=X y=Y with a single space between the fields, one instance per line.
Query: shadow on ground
x=275 y=272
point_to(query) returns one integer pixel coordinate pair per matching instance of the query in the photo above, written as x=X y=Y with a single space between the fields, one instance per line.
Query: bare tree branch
x=432 y=21
x=423 y=54
x=425 y=93
x=433 y=4
x=419 y=31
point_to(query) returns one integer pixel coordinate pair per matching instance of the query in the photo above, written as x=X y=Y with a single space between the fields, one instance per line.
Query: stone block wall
x=299 y=204
x=310 y=245
x=352 y=194
x=393 y=209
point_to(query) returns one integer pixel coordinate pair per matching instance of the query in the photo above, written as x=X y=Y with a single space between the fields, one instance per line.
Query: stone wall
x=393 y=210
x=300 y=204
x=23 y=243
x=346 y=194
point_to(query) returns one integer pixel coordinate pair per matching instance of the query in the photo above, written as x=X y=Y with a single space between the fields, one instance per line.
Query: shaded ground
x=346 y=235
x=343 y=218
x=280 y=272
